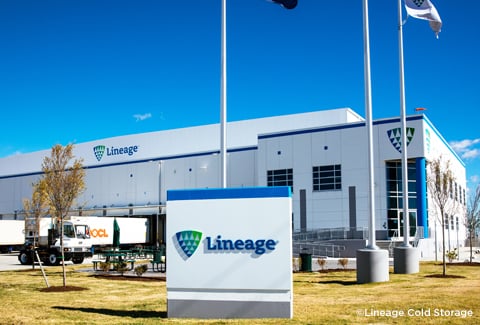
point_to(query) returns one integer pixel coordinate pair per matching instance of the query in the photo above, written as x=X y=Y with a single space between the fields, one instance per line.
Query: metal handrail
x=329 y=234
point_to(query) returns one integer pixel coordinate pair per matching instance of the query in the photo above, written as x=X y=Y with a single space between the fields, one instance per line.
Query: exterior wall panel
x=189 y=158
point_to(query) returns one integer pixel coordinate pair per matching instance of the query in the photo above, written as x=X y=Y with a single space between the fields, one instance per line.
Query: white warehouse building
x=322 y=155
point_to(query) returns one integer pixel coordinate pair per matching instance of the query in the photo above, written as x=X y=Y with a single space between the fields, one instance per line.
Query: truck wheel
x=78 y=260
x=53 y=259
x=25 y=258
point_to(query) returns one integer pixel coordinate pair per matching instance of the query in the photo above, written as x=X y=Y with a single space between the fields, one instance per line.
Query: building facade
x=322 y=155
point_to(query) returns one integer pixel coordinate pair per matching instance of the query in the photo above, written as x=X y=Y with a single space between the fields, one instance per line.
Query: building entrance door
x=395 y=223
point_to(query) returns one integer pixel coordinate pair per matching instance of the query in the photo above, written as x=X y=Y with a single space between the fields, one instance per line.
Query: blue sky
x=79 y=70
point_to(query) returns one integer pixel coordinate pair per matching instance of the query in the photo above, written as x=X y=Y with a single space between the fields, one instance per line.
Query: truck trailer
x=12 y=235
x=133 y=231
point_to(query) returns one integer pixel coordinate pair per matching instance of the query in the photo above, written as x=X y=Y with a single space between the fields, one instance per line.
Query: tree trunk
x=471 y=246
x=63 y=254
x=444 y=262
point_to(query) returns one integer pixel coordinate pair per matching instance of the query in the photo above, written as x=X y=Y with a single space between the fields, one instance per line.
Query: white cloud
x=465 y=148
x=142 y=117
x=475 y=179
x=471 y=154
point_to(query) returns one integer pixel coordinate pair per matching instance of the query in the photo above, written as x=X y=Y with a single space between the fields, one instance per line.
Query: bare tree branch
x=472 y=218
x=440 y=185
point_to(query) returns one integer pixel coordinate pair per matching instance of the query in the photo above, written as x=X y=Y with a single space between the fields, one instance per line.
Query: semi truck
x=43 y=236
x=11 y=235
x=82 y=236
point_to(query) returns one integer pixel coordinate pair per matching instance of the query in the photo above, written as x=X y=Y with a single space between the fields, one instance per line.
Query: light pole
x=287 y=4
x=223 y=98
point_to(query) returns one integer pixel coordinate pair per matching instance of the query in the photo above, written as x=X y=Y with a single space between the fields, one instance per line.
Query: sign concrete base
x=406 y=260
x=207 y=309
x=372 y=265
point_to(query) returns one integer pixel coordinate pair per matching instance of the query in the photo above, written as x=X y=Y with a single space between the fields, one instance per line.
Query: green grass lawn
x=319 y=298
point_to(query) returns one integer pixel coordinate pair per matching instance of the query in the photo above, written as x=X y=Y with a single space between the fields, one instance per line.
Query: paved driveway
x=9 y=262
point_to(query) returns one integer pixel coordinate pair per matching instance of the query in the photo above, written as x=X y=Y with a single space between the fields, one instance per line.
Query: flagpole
x=223 y=97
x=368 y=112
x=372 y=262
x=406 y=258
x=406 y=216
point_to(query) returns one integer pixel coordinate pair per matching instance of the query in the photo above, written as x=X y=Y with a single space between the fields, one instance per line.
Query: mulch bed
x=464 y=264
x=335 y=270
x=63 y=289
x=446 y=276
x=128 y=277
x=326 y=271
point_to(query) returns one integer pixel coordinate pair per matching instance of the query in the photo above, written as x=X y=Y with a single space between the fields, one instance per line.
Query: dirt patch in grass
x=129 y=278
x=464 y=264
x=326 y=271
x=446 y=276
x=62 y=289
x=335 y=270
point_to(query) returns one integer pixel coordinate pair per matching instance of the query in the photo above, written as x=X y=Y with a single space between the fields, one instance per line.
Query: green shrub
x=121 y=267
x=343 y=262
x=140 y=269
x=452 y=255
x=322 y=262
x=104 y=266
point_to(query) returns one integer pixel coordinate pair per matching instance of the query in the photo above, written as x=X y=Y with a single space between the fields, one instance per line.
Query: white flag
x=424 y=9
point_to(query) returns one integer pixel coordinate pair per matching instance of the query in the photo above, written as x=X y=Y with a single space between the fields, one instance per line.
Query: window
x=68 y=231
x=280 y=177
x=82 y=231
x=395 y=197
x=327 y=178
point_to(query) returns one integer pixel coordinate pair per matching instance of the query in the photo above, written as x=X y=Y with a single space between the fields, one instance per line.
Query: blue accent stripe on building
x=306 y=131
x=131 y=162
x=337 y=127
x=421 y=184
x=362 y=124
x=229 y=193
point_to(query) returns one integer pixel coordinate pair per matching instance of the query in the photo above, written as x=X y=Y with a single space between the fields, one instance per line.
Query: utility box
x=306 y=265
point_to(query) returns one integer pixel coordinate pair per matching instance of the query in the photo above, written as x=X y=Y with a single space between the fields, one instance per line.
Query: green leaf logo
x=395 y=137
x=98 y=151
x=188 y=241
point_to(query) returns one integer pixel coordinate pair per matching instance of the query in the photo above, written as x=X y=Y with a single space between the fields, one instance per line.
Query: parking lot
x=9 y=262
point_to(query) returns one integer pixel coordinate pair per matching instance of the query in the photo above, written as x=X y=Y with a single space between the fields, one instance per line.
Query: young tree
x=64 y=181
x=472 y=218
x=36 y=208
x=440 y=181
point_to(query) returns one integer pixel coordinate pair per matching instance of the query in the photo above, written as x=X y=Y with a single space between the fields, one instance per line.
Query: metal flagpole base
x=372 y=265
x=406 y=260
